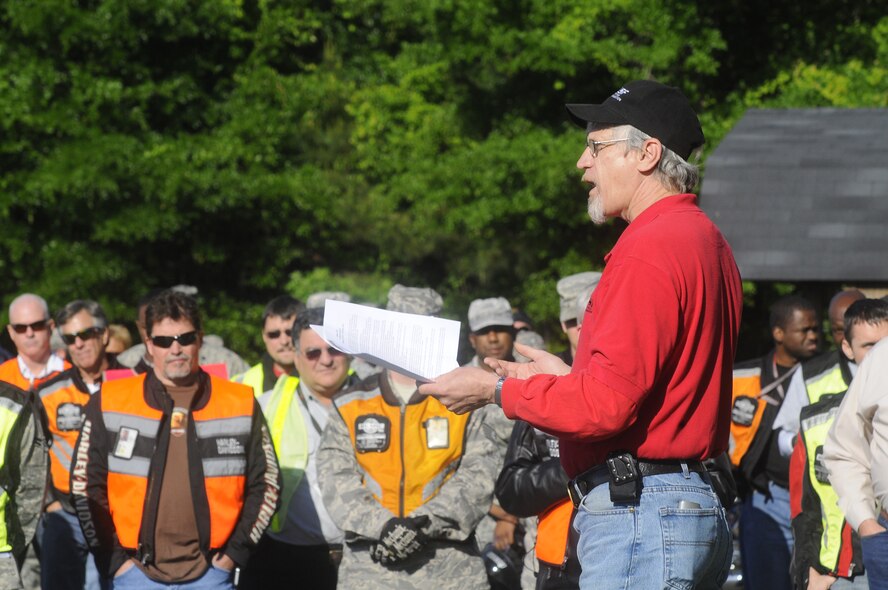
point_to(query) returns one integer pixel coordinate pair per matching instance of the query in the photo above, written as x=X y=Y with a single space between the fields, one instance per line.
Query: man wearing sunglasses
x=277 y=334
x=30 y=327
x=83 y=327
x=175 y=477
x=302 y=537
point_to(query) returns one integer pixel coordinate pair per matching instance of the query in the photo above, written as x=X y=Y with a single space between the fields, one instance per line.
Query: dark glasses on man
x=36 y=326
x=314 y=354
x=275 y=334
x=83 y=335
x=183 y=339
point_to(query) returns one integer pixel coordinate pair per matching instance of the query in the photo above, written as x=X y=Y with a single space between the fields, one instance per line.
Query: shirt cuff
x=509 y=397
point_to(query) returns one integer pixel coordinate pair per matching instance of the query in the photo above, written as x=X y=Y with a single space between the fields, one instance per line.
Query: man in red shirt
x=648 y=397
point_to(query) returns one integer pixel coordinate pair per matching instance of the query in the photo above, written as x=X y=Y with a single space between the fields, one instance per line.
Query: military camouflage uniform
x=450 y=559
x=25 y=477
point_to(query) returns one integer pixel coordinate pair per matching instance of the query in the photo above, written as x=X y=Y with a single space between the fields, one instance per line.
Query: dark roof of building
x=802 y=194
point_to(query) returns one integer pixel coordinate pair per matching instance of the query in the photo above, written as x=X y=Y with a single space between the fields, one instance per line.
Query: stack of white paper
x=419 y=346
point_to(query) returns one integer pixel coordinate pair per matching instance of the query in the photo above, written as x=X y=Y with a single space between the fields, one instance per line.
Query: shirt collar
x=53 y=365
x=671 y=203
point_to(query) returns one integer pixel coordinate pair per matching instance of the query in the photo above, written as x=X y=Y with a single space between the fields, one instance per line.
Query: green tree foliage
x=253 y=146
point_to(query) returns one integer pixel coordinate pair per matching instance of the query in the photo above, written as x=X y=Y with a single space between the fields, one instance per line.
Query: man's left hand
x=463 y=390
x=223 y=562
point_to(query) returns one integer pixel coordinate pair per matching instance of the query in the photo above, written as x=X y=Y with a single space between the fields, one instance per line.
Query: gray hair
x=74 y=307
x=673 y=171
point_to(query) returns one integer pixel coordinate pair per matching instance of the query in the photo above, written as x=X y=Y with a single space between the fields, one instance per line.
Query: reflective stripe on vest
x=64 y=404
x=746 y=411
x=405 y=452
x=254 y=377
x=284 y=415
x=827 y=382
x=552 y=533
x=814 y=430
x=223 y=428
x=10 y=410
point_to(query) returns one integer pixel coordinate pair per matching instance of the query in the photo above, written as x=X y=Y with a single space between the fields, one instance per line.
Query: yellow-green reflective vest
x=814 y=430
x=10 y=410
x=283 y=412
x=254 y=377
x=830 y=381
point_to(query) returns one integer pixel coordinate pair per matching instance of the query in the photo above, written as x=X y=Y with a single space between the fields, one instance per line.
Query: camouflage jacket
x=450 y=558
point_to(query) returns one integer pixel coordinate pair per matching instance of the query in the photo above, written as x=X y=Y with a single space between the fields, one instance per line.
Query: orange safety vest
x=133 y=426
x=553 y=531
x=406 y=452
x=64 y=404
x=746 y=411
x=9 y=372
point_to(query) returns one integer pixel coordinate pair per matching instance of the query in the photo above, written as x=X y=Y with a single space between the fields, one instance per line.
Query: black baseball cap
x=660 y=111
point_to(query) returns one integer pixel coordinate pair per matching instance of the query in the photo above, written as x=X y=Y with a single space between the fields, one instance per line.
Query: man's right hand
x=541 y=363
x=124 y=568
x=869 y=527
x=818 y=581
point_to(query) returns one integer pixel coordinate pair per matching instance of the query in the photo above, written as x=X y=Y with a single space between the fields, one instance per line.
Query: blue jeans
x=135 y=579
x=654 y=544
x=875 y=557
x=766 y=540
x=66 y=563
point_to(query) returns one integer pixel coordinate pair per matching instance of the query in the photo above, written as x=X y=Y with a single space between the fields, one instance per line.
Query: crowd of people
x=173 y=463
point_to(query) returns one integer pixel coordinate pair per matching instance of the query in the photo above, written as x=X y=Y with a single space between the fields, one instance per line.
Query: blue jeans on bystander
x=875 y=557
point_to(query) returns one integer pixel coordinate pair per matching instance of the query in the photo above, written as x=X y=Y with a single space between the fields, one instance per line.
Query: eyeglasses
x=275 y=334
x=83 y=335
x=185 y=339
x=314 y=354
x=597 y=146
x=36 y=326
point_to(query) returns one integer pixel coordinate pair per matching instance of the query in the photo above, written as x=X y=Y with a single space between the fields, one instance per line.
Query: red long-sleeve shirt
x=652 y=374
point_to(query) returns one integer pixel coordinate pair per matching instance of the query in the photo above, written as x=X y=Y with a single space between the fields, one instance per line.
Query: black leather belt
x=578 y=487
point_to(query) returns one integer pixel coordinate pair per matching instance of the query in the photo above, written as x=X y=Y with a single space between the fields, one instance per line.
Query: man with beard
x=647 y=398
x=175 y=477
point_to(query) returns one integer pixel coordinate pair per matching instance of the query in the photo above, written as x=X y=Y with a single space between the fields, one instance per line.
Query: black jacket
x=532 y=478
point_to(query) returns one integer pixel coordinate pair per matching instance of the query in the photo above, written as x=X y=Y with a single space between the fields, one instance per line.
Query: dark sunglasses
x=185 y=339
x=36 y=326
x=83 y=335
x=314 y=354
x=275 y=334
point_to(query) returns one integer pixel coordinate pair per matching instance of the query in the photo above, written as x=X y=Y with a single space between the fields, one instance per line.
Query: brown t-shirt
x=177 y=556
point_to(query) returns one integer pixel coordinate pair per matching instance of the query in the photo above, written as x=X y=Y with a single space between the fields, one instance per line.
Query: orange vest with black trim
x=406 y=453
x=64 y=404
x=133 y=427
x=553 y=531
x=10 y=372
x=746 y=411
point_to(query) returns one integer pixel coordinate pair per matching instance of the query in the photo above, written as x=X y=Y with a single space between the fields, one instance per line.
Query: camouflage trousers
x=9 y=575
x=443 y=566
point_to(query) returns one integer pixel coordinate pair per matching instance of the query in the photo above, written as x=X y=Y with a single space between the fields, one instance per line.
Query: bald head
x=27 y=300
x=838 y=305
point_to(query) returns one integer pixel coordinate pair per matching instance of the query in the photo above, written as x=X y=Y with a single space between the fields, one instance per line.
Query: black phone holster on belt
x=625 y=479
